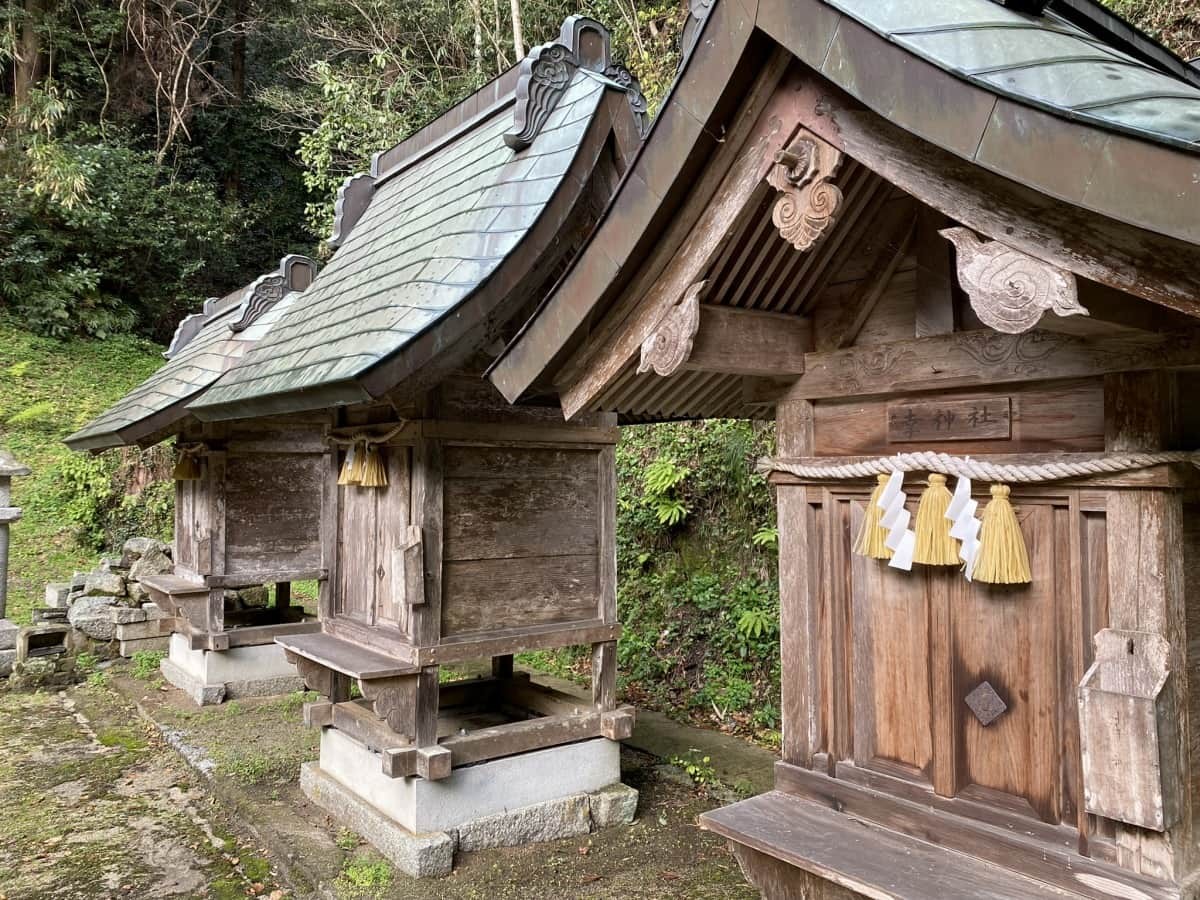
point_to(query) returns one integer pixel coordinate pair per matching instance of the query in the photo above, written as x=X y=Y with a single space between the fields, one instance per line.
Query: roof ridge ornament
x=353 y=197
x=295 y=273
x=547 y=71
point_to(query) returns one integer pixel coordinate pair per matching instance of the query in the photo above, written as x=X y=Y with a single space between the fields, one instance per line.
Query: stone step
x=136 y=631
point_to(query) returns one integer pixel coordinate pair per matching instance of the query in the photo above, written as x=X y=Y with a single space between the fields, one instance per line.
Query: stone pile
x=109 y=603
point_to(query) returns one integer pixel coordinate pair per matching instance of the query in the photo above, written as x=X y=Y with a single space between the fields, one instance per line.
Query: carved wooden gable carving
x=808 y=202
x=1010 y=290
x=547 y=71
x=669 y=345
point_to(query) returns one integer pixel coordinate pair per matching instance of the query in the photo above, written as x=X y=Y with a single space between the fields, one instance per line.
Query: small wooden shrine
x=443 y=525
x=247 y=499
x=953 y=249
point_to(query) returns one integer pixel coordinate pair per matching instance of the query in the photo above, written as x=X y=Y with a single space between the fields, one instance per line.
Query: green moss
x=255 y=868
x=125 y=738
x=364 y=877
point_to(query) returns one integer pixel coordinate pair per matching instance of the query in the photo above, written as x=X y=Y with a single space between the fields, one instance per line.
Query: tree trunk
x=237 y=87
x=518 y=38
x=477 y=16
x=27 y=64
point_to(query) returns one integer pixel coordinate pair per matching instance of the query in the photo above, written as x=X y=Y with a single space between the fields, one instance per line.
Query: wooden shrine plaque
x=985 y=418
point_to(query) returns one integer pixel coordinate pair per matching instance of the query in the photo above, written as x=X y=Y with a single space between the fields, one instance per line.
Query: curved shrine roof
x=1044 y=61
x=431 y=234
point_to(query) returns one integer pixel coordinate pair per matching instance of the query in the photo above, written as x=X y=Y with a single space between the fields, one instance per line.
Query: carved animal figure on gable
x=1010 y=290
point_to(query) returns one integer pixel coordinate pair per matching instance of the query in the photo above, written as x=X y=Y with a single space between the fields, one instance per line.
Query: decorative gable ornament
x=547 y=71
x=670 y=344
x=353 y=197
x=808 y=202
x=295 y=273
x=1010 y=290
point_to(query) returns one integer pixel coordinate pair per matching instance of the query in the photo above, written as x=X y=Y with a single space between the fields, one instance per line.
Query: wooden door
x=371 y=524
x=920 y=642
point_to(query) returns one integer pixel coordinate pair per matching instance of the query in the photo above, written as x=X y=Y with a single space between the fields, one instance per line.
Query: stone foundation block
x=126 y=615
x=419 y=855
x=613 y=805
x=8 y=635
x=58 y=594
x=7 y=658
x=136 y=631
x=550 y=821
x=212 y=676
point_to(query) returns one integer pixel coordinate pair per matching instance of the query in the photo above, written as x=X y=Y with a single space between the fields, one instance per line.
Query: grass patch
x=125 y=738
x=364 y=877
x=146 y=664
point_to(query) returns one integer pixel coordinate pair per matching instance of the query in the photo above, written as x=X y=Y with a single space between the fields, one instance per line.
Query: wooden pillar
x=427 y=513
x=283 y=595
x=794 y=437
x=1146 y=594
x=502 y=666
x=604 y=675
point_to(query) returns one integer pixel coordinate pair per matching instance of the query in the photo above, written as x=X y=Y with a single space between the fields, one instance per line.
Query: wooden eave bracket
x=1010 y=290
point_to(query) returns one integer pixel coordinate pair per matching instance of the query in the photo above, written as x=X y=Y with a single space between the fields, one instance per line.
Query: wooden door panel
x=1005 y=635
x=891 y=651
x=355 y=594
x=392 y=520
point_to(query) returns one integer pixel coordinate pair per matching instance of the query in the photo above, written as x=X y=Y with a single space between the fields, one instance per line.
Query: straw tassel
x=1002 y=557
x=351 y=468
x=374 y=472
x=872 y=534
x=935 y=546
x=187 y=467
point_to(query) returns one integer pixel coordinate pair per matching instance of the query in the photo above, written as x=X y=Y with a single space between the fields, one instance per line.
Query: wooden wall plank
x=492 y=594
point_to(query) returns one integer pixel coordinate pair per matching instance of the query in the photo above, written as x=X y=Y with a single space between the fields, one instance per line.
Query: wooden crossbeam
x=969 y=358
x=749 y=342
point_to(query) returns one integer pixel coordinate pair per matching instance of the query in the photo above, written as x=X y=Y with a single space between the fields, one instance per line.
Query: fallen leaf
x=584 y=851
x=588 y=879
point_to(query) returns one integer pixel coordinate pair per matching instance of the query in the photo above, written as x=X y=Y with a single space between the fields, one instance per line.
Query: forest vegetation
x=157 y=152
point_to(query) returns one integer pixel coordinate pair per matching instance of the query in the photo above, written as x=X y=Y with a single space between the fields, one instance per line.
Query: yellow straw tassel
x=1002 y=556
x=872 y=535
x=351 y=468
x=934 y=545
x=374 y=472
x=187 y=467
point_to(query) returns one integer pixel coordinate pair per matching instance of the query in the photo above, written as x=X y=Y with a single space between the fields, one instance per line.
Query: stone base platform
x=214 y=676
x=543 y=795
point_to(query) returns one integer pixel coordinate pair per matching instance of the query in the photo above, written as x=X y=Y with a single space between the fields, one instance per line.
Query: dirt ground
x=97 y=803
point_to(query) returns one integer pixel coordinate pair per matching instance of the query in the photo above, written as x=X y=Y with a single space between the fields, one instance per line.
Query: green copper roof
x=1040 y=60
x=431 y=234
x=190 y=371
x=196 y=359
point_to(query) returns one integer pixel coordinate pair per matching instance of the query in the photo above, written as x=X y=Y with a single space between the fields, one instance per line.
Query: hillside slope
x=71 y=502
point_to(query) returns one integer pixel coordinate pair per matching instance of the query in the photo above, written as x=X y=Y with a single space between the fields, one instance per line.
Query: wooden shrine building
x=933 y=239
x=247 y=499
x=450 y=526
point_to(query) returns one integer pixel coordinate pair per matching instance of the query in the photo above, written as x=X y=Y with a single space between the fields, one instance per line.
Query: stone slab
x=136 y=631
x=58 y=594
x=126 y=615
x=7 y=658
x=419 y=855
x=8 y=635
x=212 y=676
x=550 y=821
x=471 y=792
x=613 y=805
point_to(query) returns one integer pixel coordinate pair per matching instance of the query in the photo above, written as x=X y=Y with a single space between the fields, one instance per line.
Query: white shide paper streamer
x=901 y=539
x=961 y=512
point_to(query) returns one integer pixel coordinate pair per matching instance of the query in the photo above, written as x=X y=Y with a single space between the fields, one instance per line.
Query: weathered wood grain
x=982 y=357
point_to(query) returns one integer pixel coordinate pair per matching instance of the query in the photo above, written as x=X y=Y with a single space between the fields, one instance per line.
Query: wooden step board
x=174 y=586
x=862 y=857
x=346 y=657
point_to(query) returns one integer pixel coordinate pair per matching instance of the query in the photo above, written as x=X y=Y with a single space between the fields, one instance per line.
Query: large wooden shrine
x=448 y=526
x=956 y=243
